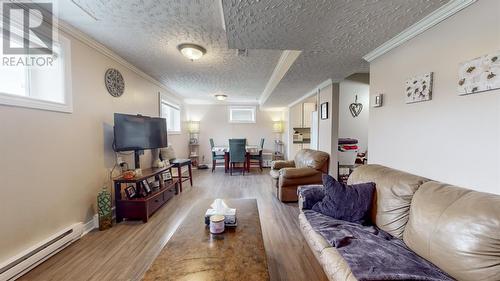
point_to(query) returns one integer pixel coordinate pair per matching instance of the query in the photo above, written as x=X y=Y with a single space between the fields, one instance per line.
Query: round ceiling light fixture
x=221 y=97
x=192 y=51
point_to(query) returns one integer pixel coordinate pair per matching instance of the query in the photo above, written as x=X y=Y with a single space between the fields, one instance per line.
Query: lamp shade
x=277 y=126
x=194 y=126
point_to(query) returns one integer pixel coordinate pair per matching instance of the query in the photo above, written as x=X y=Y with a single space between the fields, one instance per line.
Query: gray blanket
x=373 y=254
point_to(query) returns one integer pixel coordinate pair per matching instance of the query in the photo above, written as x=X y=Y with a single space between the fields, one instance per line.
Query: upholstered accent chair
x=307 y=168
x=256 y=157
x=215 y=156
x=237 y=154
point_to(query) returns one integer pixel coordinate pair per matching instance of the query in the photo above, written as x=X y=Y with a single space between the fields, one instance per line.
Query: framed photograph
x=130 y=191
x=324 y=111
x=145 y=185
x=167 y=176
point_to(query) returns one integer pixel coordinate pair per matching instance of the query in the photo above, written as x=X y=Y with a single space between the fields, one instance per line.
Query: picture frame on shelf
x=146 y=187
x=130 y=192
x=324 y=111
x=167 y=175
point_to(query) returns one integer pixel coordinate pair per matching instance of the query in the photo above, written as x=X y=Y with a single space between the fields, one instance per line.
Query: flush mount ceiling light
x=221 y=97
x=192 y=51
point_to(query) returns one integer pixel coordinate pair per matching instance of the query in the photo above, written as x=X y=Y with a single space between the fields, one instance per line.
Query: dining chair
x=215 y=156
x=256 y=157
x=237 y=154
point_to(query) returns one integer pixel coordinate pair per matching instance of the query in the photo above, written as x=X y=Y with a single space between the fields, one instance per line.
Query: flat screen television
x=137 y=132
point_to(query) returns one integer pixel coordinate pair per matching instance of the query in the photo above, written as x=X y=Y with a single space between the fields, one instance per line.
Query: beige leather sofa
x=307 y=168
x=456 y=229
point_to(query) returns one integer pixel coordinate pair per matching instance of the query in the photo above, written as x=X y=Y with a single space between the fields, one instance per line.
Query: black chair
x=237 y=154
x=256 y=158
x=215 y=156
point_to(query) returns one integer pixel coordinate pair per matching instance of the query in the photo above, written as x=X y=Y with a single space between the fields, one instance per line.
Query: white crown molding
x=87 y=40
x=439 y=15
x=286 y=60
x=221 y=9
x=314 y=91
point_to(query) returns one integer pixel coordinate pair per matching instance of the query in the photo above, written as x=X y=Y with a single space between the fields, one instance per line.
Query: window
x=44 y=87
x=172 y=113
x=242 y=114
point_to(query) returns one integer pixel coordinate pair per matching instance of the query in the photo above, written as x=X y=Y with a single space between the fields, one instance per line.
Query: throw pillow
x=167 y=153
x=350 y=203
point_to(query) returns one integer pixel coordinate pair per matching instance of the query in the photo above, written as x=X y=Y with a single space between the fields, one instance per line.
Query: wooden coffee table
x=194 y=254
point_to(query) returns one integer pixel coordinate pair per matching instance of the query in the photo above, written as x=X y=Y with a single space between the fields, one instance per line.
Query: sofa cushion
x=310 y=195
x=393 y=196
x=280 y=164
x=457 y=229
x=293 y=173
x=371 y=253
x=294 y=182
x=349 y=203
x=332 y=262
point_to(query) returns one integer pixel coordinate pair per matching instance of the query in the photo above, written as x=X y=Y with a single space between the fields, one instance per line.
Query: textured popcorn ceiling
x=146 y=33
x=333 y=34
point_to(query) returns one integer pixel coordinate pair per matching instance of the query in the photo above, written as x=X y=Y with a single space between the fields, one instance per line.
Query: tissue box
x=230 y=216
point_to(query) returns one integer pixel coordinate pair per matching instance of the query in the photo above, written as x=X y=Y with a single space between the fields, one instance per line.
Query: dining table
x=224 y=149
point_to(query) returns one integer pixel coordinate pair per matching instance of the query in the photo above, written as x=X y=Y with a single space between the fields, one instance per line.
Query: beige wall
x=349 y=126
x=214 y=123
x=328 y=129
x=53 y=164
x=452 y=138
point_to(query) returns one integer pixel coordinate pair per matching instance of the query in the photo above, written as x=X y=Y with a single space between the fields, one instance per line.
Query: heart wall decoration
x=355 y=108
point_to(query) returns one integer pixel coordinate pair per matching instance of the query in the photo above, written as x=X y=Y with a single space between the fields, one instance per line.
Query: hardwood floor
x=127 y=250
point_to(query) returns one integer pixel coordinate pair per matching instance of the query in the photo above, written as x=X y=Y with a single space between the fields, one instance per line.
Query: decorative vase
x=104 y=209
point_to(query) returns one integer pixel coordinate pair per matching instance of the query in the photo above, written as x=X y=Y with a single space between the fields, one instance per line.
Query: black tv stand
x=137 y=162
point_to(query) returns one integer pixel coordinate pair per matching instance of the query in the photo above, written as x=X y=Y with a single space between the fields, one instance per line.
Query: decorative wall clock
x=114 y=82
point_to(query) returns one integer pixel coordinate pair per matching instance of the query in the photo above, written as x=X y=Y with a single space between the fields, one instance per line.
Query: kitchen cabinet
x=307 y=110
x=296 y=116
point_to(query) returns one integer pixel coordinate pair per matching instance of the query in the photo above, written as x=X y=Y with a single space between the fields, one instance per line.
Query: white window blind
x=172 y=113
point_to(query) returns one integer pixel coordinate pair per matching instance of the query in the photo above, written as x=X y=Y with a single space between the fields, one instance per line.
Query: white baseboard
x=30 y=258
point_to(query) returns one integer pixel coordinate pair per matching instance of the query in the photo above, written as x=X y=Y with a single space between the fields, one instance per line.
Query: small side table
x=179 y=163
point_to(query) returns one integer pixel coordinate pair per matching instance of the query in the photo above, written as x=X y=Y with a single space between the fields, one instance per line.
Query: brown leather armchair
x=307 y=168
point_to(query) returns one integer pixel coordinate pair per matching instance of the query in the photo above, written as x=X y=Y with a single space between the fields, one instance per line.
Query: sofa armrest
x=293 y=173
x=280 y=164
x=309 y=195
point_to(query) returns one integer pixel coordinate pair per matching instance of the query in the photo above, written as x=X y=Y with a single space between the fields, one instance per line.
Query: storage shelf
x=169 y=185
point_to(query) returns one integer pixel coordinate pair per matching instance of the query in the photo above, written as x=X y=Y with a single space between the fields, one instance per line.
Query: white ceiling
x=333 y=35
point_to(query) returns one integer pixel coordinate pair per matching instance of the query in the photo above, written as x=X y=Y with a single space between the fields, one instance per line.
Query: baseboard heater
x=24 y=262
